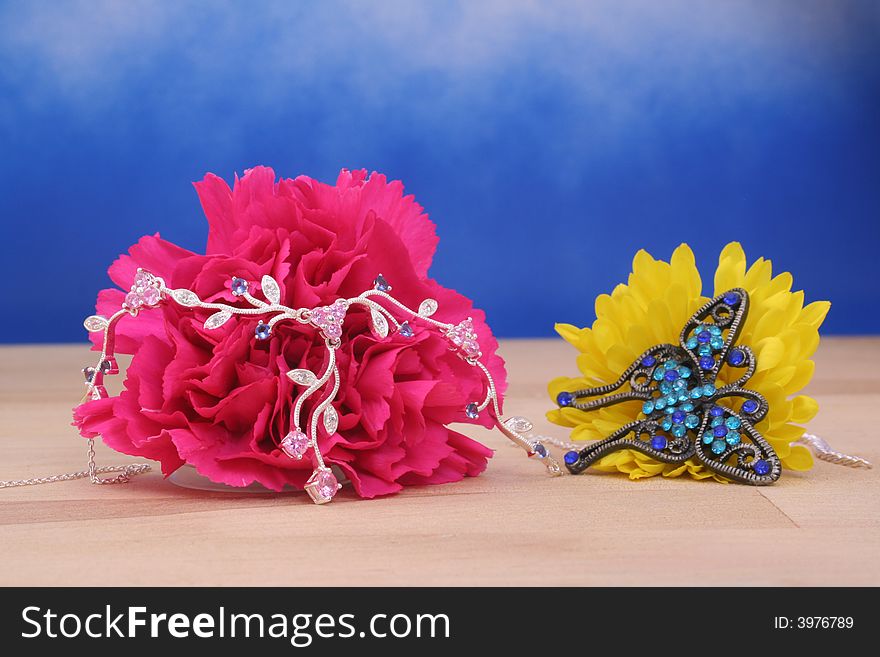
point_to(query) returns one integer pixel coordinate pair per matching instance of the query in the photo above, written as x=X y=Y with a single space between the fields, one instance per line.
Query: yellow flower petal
x=651 y=308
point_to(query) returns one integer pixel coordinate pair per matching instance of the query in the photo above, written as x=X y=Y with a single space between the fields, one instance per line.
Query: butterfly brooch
x=685 y=411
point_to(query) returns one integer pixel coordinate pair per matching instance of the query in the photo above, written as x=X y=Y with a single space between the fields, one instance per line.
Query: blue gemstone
x=671 y=375
x=703 y=337
x=696 y=393
x=571 y=458
x=692 y=421
x=691 y=343
x=683 y=396
x=732 y=438
x=681 y=384
x=406 y=330
x=678 y=417
x=648 y=407
x=239 y=286
x=565 y=399
x=660 y=404
x=716 y=411
x=749 y=406
x=665 y=387
x=648 y=361
x=718 y=447
x=705 y=350
x=262 y=331
x=679 y=430
x=717 y=422
x=671 y=400
x=685 y=372
x=472 y=411
x=541 y=451
x=715 y=330
x=687 y=407
x=708 y=437
x=733 y=422
x=716 y=342
x=708 y=390
x=670 y=364
x=658 y=442
x=666 y=423
x=381 y=284
x=707 y=363
x=736 y=357
x=658 y=374
x=720 y=431
x=731 y=298
x=761 y=467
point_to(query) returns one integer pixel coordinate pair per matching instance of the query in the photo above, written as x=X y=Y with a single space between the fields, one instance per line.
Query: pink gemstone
x=295 y=444
x=133 y=300
x=327 y=484
x=333 y=330
x=471 y=348
x=150 y=296
x=142 y=279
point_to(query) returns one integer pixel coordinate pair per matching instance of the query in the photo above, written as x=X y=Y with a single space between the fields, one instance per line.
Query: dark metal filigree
x=685 y=412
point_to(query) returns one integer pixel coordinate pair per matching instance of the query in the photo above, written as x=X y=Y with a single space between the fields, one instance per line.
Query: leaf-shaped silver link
x=186 y=298
x=270 y=289
x=218 y=319
x=302 y=377
x=380 y=324
x=427 y=308
x=95 y=323
x=331 y=420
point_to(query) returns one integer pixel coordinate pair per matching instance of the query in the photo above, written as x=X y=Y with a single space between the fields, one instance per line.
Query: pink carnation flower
x=219 y=400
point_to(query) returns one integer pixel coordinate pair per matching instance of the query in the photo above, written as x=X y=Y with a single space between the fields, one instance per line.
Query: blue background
x=548 y=141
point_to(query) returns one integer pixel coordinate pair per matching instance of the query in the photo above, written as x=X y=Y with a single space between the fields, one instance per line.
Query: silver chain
x=823 y=451
x=126 y=472
x=818 y=445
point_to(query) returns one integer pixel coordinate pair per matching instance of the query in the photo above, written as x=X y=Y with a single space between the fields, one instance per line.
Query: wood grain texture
x=512 y=525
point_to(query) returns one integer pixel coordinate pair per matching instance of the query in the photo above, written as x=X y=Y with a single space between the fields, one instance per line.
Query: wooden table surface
x=512 y=525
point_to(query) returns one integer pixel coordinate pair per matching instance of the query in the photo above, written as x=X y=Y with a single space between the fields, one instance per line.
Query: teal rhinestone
x=691 y=343
x=683 y=396
x=665 y=387
x=678 y=430
x=691 y=421
x=715 y=330
x=708 y=390
x=680 y=384
x=660 y=404
x=684 y=372
x=671 y=399
x=716 y=342
x=717 y=421
x=666 y=423
x=718 y=447
x=687 y=407
x=708 y=437
x=732 y=438
x=696 y=393
x=704 y=350
x=733 y=422
x=648 y=407
x=670 y=364
x=658 y=374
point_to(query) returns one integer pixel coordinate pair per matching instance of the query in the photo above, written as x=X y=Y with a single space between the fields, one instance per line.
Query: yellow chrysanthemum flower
x=652 y=308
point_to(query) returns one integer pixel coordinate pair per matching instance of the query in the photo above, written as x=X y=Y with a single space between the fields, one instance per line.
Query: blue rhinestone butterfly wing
x=679 y=392
x=652 y=377
x=728 y=443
